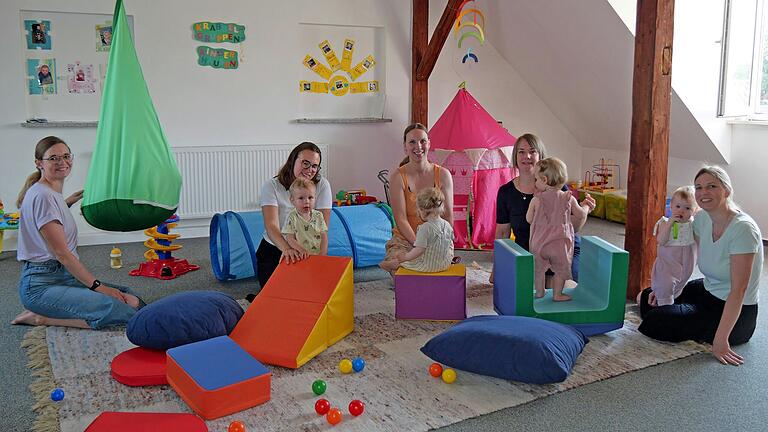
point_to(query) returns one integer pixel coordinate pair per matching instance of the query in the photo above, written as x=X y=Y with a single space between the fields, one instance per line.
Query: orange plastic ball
x=435 y=369
x=334 y=416
x=236 y=426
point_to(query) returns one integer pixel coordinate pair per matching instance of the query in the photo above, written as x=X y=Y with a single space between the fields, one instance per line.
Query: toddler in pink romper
x=676 y=251
x=552 y=232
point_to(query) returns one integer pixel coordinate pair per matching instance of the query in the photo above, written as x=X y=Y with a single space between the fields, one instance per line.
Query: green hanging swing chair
x=133 y=180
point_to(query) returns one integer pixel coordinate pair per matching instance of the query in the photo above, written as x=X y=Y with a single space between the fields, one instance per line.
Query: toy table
x=7 y=224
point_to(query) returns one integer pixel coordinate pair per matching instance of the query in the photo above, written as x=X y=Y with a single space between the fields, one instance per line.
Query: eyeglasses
x=307 y=165
x=56 y=158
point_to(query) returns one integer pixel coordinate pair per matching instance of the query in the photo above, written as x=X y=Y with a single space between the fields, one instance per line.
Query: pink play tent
x=477 y=151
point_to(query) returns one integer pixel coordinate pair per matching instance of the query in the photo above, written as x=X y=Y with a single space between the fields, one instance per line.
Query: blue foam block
x=201 y=362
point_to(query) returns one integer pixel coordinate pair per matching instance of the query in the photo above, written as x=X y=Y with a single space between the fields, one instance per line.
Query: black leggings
x=267 y=259
x=694 y=316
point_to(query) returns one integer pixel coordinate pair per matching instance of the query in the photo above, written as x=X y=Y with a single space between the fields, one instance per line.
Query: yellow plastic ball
x=345 y=366
x=449 y=376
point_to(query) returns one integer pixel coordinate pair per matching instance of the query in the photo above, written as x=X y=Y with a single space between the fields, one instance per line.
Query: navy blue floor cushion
x=183 y=318
x=515 y=348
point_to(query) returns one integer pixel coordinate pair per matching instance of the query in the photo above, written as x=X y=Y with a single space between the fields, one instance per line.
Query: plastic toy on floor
x=354 y=197
x=8 y=221
x=160 y=264
x=598 y=301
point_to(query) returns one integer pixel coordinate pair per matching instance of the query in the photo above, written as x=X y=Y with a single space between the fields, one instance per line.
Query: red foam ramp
x=140 y=367
x=146 y=422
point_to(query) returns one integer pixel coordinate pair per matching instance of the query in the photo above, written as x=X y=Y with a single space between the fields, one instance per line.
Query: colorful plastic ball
x=322 y=406
x=449 y=376
x=356 y=407
x=318 y=387
x=236 y=426
x=334 y=416
x=358 y=364
x=345 y=366
x=435 y=369
x=57 y=394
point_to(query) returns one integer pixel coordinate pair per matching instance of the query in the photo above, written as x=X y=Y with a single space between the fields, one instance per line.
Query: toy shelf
x=61 y=124
x=342 y=120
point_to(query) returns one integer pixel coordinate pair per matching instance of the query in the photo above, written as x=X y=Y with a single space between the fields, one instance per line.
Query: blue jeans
x=48 y=289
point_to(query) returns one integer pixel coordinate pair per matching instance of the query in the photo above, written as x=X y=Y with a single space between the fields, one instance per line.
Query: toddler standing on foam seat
x=551 y=229
x=433 y=248
x=305 y=229
x=676 y=252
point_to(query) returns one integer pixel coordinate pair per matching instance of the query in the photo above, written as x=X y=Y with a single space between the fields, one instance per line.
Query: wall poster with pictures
x=65 y=57
x=341 y=71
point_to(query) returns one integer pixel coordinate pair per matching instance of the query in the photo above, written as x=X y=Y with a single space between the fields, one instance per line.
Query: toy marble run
x=160 y=264
x=604 y=176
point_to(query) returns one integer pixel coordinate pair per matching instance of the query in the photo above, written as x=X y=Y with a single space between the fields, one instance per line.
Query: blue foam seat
x=183 y=318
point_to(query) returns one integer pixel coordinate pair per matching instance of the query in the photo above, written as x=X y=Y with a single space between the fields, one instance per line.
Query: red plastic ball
x=236 y=426
x=322 y=406
x=436 y=370
x=356 y=407
x=334 y=416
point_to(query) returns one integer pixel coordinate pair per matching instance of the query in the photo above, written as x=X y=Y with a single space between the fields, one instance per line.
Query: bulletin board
x=328 y=89
x=64 y=60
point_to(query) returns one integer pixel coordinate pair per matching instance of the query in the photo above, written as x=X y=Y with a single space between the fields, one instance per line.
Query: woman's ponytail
x=32 y=179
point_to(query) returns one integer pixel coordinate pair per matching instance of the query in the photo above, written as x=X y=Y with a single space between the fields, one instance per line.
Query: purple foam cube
x=431 y=296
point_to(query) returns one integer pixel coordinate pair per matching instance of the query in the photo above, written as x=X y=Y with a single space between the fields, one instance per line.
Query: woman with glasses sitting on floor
x=55 y=287
x=304 y=161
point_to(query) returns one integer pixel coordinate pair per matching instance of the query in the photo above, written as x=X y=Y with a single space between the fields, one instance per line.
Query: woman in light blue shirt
x=721 y=308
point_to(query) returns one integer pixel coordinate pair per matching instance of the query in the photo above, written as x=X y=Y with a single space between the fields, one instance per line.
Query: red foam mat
x=140 y=367
x=146 y=422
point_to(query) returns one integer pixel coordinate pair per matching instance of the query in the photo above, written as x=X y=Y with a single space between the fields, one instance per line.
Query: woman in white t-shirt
x=304 y=161
x=720 y=309
x=55 y=287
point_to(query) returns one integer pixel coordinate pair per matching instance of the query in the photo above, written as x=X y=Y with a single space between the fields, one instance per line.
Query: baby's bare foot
x=28 y=318
x=561 y=297
x=539 y=294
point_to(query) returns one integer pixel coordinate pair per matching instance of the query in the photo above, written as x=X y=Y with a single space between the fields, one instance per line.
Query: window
x=744 y=62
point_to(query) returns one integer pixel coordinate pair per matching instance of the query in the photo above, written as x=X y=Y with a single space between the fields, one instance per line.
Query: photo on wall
x=41 y=76
x=80 y=78
x=103 y=36
x=38 y=34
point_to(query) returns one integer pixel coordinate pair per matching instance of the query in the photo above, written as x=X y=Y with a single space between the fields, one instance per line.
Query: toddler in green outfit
x=305 y=229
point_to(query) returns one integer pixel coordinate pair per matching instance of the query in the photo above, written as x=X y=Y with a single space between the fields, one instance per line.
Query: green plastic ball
x=318 y=387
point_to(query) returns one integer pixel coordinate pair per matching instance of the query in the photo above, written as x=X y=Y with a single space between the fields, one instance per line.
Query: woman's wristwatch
x=96 y=284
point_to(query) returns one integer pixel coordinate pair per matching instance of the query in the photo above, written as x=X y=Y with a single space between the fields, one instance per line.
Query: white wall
x=748 y=171
x=261 y=96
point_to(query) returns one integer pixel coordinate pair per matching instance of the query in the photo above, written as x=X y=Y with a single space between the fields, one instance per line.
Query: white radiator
x=217 y=179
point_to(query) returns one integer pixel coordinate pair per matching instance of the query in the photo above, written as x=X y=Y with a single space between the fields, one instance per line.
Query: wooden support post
x=649 y=148
x=419 y=94
x=425 y=55
x=437 y=41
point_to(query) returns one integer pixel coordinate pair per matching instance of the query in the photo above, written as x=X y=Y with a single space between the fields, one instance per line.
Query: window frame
x=752 y=109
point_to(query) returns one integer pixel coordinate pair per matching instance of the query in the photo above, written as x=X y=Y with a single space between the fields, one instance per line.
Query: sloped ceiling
x=578 y=56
